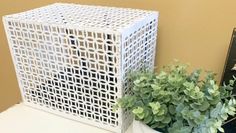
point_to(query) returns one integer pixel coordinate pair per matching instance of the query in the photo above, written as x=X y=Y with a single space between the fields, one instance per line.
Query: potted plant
x=175 y=101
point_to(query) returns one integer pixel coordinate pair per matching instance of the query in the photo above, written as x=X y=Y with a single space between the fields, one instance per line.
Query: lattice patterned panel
x=72 y=60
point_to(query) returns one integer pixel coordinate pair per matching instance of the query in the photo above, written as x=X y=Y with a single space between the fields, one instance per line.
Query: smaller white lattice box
x=72 y=60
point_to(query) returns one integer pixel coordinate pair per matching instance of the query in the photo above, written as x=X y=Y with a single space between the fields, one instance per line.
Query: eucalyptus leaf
x=186 y=129
x=159 y=118
x=166 y=120
x=177 y=101
x=148 y=119
x=172 y=109
x=205 y=105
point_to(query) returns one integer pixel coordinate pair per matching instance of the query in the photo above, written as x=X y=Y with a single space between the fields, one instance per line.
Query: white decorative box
x=72 y=60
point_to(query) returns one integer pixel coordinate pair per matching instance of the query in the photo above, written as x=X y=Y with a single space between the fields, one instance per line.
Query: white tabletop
x=23 y=119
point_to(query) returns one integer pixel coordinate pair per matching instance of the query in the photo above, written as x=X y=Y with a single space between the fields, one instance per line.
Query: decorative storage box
x=72 y=60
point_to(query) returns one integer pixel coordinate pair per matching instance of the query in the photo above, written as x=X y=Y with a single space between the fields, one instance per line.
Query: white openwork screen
x=72 y=60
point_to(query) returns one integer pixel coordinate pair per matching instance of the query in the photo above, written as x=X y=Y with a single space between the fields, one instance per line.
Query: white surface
x=23 y=119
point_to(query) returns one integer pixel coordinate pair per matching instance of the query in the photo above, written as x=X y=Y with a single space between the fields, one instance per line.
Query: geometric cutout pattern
x=73 y=60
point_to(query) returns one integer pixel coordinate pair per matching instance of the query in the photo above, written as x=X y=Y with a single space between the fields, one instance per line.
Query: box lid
x=84 y=16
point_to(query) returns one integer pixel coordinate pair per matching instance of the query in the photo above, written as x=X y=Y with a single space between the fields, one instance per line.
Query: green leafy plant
x=176 y=101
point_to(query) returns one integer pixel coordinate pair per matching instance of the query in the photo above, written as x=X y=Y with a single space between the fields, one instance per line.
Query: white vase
x=139 y=127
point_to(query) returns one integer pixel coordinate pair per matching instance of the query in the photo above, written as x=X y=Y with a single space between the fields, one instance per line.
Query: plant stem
x=229 y=96
x=229 y=121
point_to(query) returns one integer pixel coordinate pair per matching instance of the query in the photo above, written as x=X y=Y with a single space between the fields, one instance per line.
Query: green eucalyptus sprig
x=179 y=102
